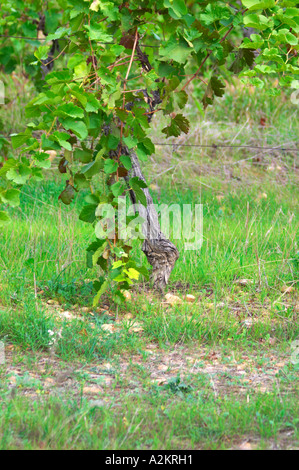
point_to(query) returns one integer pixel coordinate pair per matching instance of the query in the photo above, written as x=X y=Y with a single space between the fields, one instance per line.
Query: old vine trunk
x=160 y=252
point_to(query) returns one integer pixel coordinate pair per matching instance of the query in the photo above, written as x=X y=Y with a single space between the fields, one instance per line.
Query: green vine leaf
x=11 y=197
x=110 y=166
x=88 y=213
x=178 y=125
x=4 y=218
x=258 y=4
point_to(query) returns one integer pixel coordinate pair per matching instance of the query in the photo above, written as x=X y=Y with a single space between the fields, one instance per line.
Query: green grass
x=45 y=251
x=260 y=244
x=157 y=419
x=232 y=346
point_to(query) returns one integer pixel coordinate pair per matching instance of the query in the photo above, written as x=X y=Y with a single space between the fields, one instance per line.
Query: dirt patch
x=48 y=375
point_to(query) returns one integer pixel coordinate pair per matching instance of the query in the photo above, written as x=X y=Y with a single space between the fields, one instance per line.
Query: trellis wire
x=66 y=38
x=216 y=146
x=213 y=146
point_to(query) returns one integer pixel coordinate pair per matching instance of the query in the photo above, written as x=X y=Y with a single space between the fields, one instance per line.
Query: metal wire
x=65 y=38
x=216 y=146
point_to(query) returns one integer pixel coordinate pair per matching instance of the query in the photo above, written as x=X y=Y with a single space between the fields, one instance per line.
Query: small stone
x=173 y=299
x=245 y=446
x=220 y=305
x=127 y=295
x=108 y=327
x=128 y=316
x=262 y=196
x=248 y=322
x=94 y=403
x=93 y=390
x=68 y=315
x=49 y=381
x=154 y=187
x=210 y=305
x=190 y=298
x=243 y=282
x=136 y=328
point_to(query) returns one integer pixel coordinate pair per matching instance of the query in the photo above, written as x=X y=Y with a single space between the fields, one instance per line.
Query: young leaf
x=88 y=213
x=110 y=166
x=4 y=218
x=100 y=292
x=126 y=161
x=78 y=127
x=11 y=197
x=117 y=188
x=258 y=4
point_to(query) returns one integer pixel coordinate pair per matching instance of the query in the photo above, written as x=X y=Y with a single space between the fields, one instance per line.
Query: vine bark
x=161 y=253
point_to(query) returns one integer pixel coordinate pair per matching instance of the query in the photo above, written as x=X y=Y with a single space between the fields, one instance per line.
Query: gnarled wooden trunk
x=160 y=252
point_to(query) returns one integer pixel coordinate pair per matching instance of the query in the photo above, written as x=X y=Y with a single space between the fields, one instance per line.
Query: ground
x=219 y=371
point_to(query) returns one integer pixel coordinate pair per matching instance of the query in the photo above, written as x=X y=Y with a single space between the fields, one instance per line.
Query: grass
x=216 y=373
x=158 y=419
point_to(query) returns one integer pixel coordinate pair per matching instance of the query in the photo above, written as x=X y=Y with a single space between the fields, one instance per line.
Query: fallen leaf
x=125 y=421
x=287 y=289
x=263 y=121
x=41 y=445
